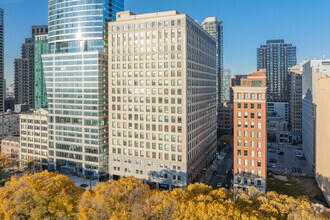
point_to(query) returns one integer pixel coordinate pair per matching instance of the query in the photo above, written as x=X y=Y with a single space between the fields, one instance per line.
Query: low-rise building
x=10 y=146
x=34 y=136
x=9 y=124
x=226 y=117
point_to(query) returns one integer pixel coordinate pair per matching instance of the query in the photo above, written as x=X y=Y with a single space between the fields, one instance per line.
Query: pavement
x=223 y=162
x=78 y=181
x=288 y=160
x=221 y=177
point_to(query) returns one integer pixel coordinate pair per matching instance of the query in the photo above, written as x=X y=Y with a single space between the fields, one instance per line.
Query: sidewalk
x=206 y=177
x=78 y=181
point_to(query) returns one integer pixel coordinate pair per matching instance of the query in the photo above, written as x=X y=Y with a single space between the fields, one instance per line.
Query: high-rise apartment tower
x=276 y=57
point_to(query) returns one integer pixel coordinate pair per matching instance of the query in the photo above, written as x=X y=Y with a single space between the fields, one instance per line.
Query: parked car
x=219 y=185
x=272 y=160
x=298 y=170
x=226 y=172
x=293 y=170
x=227 y=186
x=280 y=153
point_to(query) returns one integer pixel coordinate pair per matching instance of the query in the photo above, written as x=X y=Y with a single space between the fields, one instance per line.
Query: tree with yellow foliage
x=114 y=199
x=40 y=196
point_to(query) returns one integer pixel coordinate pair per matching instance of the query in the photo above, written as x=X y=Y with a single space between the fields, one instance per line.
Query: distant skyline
x=247 y=25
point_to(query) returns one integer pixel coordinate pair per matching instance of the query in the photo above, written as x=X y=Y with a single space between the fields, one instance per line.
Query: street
x=226 y=164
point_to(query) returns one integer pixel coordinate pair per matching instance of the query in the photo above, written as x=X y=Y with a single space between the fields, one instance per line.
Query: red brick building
x=250 y=132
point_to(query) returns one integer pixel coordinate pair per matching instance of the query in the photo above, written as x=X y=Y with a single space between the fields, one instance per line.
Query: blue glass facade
x=76 y=75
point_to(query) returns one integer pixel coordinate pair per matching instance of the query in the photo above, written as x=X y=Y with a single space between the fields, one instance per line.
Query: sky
x=247 y=25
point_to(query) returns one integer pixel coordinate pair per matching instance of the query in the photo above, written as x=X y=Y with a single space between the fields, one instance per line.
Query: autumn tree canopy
x=39 y=196
x=52 y=196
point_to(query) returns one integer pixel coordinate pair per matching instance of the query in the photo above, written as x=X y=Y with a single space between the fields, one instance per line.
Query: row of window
x=252 y=105
x=152 y=25
x=147 y=154
x=246 y=143
x=246 y=153
x=251 y=96
x=252 y=124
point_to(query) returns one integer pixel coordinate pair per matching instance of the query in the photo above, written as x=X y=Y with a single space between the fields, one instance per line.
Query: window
x=239 y=124
x=252 y=124
x=239 y=153
x=252 y=163
x=259 y=115
x=259 y=96
x=252 y=115
x=252 y=134
x=245 y=134
x=259 y=144
x=252 y=153
x=259 y=163
x=245 y=105
x=252 y=105
x=252 y=143
x=246 y=96
x=246 y=115
x=246 y=124
x=259 y=154
x=259 y=125
x=252 y=174
x=239 y=105
x=239 y=143
x=239 y=114
x=239 y=96
x=245 y=153
x=246 y=144
x=259 y=174
x=259 y=106
x=239 y=161
x=239 y=133
x=259 y=135
x=252 y=96
x=246 y=162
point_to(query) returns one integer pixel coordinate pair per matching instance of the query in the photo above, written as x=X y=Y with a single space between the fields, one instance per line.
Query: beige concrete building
x=10 y=146
x=322 y=133
x=34 y=136
x=162 y=98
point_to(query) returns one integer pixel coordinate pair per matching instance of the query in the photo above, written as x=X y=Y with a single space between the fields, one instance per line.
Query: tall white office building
x=309 y=74
x=162 y=98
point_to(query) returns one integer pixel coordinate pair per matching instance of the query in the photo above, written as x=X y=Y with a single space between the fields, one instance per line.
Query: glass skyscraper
x=215 y=29
x=41 y=46
x=276 y=57
x=2 y=102
x=76 y=73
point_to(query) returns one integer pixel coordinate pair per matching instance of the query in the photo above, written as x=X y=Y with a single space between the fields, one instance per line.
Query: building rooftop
x=128 y=15
x=11 y=138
